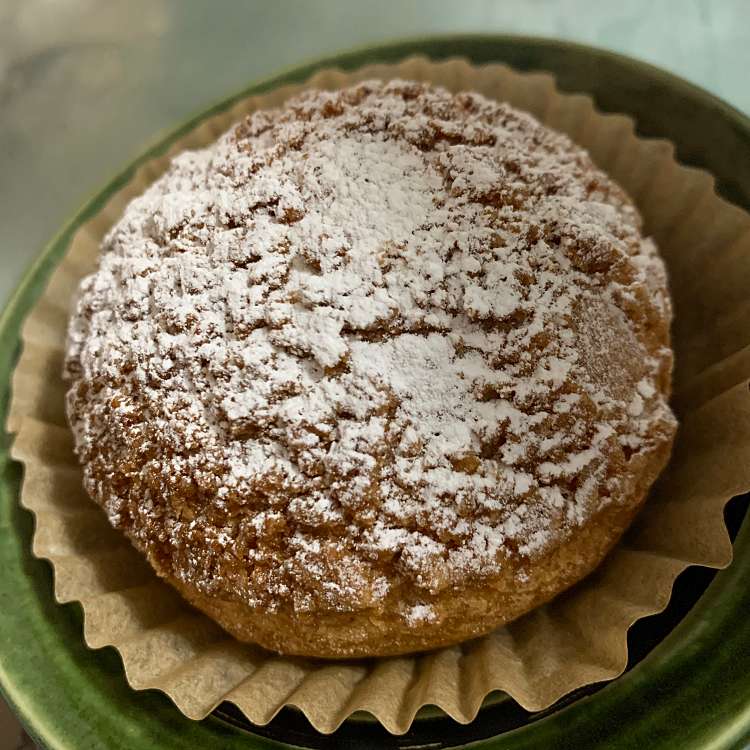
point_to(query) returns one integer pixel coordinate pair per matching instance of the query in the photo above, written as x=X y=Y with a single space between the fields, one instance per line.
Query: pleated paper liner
x=579 y=638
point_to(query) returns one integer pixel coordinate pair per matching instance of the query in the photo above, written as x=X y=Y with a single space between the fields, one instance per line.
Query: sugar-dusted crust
x=472 y=612
x=376 y=372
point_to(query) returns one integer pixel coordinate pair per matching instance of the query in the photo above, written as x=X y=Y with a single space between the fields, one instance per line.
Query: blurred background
x=86 y=84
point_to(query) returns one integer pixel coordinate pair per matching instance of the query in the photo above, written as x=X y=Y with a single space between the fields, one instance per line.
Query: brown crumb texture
x=370 y=356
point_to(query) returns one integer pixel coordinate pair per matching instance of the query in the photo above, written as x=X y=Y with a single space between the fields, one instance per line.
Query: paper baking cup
x=580 y=637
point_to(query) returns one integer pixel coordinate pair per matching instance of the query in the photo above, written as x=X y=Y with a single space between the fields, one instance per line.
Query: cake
x=376 y=372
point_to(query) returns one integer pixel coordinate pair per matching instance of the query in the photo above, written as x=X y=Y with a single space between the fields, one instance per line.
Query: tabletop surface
x=85 y=84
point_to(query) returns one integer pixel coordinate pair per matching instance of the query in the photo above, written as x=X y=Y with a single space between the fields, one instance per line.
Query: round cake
x=374 y=373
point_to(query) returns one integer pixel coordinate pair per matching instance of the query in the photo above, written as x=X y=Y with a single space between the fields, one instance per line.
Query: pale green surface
x=84 y=84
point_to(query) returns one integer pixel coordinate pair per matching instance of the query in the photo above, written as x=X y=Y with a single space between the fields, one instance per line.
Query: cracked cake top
x=366 y=347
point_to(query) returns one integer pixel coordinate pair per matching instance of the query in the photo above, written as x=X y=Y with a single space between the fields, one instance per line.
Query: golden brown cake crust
x=475 y=612
x=376 y=372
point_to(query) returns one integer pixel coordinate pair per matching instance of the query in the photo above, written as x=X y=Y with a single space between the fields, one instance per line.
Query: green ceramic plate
x=689 y=685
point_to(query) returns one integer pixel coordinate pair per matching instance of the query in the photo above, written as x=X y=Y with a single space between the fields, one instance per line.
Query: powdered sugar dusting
x=379 y=343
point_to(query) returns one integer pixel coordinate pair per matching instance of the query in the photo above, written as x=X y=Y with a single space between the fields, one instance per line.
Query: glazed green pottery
x=689 y=681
